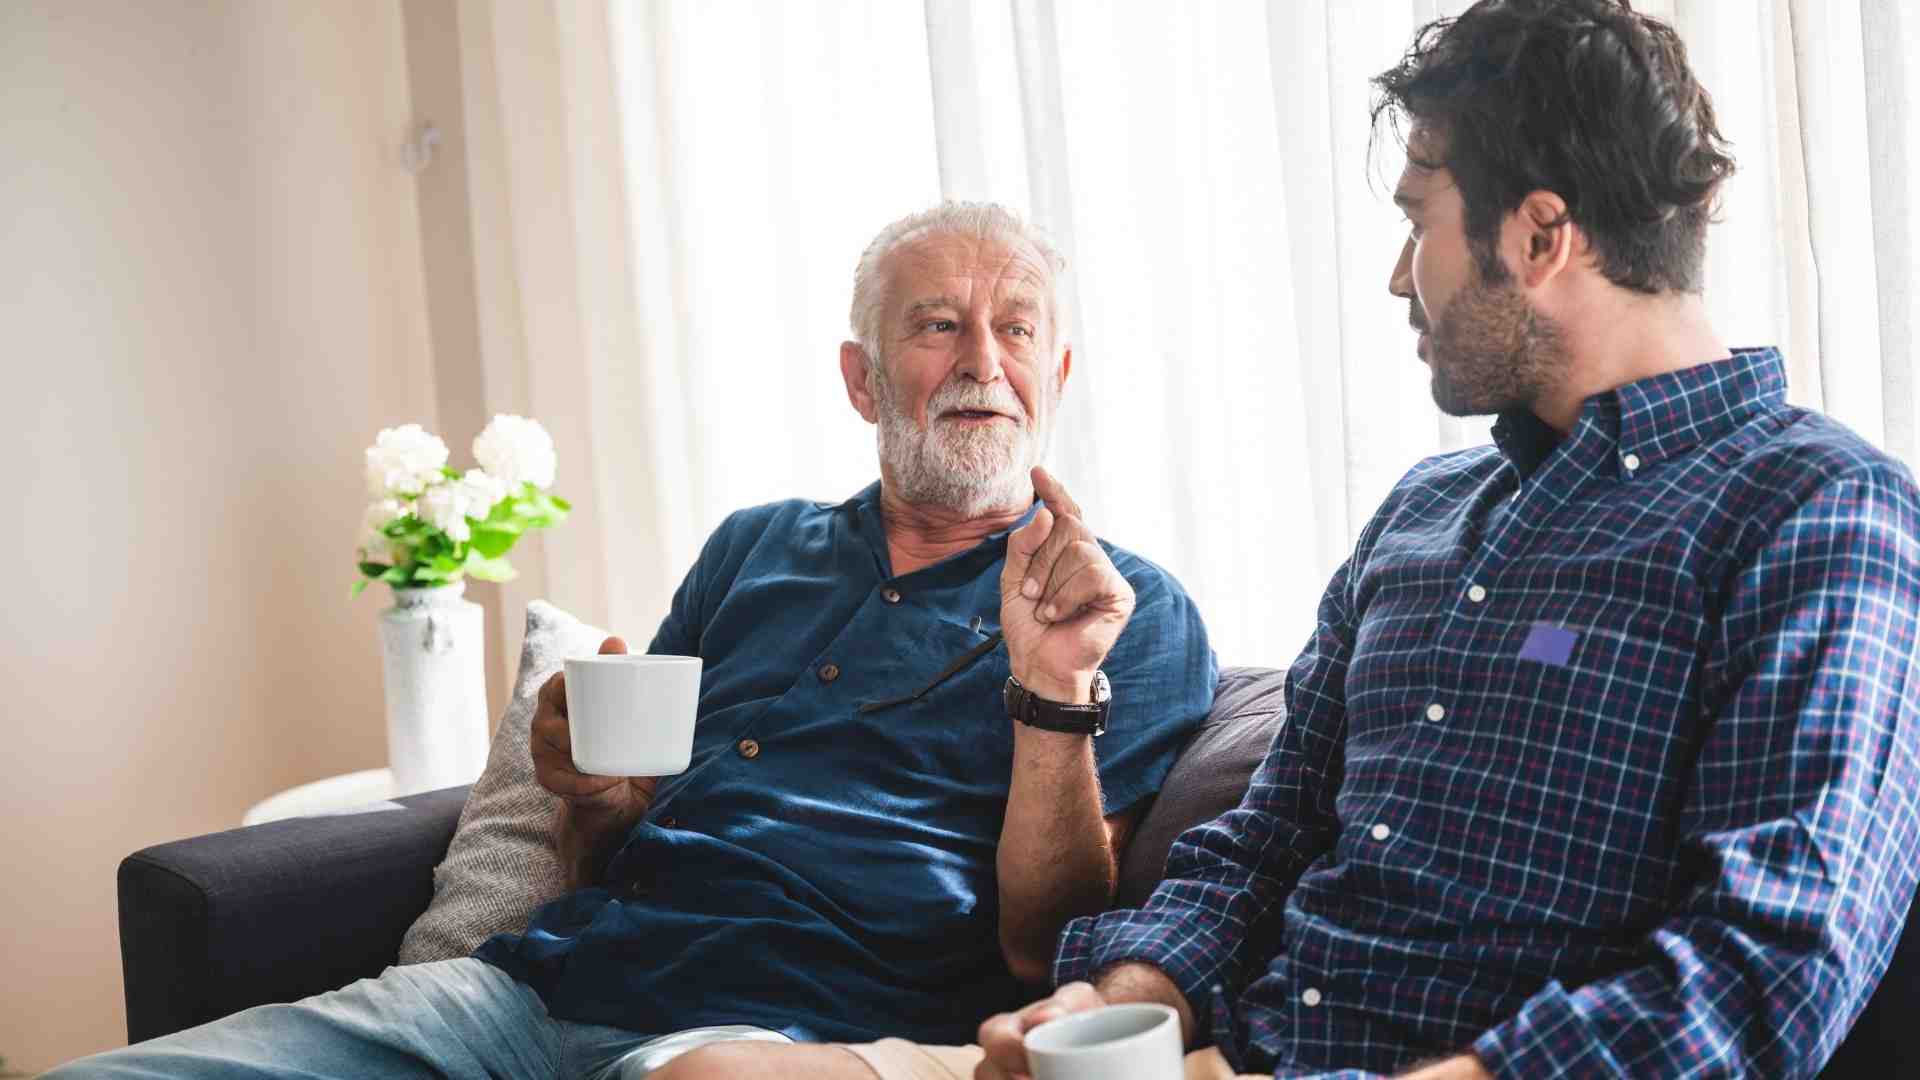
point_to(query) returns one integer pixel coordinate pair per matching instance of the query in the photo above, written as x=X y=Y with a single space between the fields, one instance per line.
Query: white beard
x=968 y=471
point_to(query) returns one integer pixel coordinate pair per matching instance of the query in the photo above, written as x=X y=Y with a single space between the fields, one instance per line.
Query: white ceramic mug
x=632 y=715
x=1116 y=1042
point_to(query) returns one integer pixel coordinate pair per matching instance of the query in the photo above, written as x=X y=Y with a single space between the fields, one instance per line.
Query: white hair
x=988 y=221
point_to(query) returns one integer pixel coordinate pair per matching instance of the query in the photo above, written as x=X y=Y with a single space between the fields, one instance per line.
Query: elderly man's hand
x=595 y=803
x=1062 y=602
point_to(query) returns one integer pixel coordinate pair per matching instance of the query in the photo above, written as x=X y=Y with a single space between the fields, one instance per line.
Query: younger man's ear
x=1540 y=239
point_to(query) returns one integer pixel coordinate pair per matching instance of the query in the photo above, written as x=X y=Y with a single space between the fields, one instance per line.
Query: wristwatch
x=1073 y=719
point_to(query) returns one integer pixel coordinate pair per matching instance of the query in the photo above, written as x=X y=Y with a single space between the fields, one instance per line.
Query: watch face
x=1102 y=689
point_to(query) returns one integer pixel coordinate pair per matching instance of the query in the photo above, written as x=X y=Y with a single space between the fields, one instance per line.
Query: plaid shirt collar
x=1648 y=421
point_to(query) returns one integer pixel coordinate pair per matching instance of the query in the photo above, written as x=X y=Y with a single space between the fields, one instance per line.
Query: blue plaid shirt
x=1601 y=761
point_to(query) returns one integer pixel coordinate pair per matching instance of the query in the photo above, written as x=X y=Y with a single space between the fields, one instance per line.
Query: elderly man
x=889 y=816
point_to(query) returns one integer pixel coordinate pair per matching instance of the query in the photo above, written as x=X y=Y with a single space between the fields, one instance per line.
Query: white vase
x=434 y=646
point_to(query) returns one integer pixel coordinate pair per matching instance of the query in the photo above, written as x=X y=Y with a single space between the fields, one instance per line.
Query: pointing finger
x=1054 y=493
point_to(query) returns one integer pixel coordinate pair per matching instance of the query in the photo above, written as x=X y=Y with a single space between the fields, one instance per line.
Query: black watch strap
x=1071 y=718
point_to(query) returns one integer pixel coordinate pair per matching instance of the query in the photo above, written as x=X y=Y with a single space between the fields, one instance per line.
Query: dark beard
x=1491 y=352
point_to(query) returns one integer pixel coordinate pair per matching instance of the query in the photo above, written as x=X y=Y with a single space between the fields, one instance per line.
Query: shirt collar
x=1658 y=417
x=1670 y=414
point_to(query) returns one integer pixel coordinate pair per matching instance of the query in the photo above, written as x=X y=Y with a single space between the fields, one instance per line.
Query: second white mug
x=1135 y=1041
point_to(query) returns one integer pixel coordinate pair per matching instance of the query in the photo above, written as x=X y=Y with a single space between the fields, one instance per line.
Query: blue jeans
x=455 y=1018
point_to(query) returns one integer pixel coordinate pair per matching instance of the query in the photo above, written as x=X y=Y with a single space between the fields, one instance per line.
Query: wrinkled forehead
x=1004 y=271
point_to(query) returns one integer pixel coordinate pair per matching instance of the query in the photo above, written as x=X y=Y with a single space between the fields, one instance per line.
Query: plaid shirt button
x=1630 y=462
x=1436 y=712
x=1310 y=998
x=1476 y=593
x=1381 y=832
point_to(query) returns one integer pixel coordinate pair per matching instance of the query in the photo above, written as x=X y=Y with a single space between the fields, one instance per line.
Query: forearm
x=1056 y=861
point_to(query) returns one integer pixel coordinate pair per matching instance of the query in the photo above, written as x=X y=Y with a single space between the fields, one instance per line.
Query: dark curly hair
x=1584 y=98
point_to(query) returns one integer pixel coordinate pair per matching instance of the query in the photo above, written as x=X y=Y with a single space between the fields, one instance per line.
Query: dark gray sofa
x=277 y=912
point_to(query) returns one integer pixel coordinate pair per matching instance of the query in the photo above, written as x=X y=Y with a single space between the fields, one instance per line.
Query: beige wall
x=210 y=297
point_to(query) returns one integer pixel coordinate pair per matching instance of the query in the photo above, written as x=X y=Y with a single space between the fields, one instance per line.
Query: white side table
x=351 y=792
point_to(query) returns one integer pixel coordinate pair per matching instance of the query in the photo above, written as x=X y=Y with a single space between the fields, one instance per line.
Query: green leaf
x=493 y=542
x=486 y=569
x=540 y=510
x=373 y=569
x=358 y=588
x=395 y=575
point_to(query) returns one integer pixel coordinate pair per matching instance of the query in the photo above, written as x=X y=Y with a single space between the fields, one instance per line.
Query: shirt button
x=1381 y=832
x=890 y=595
x=748 y=749
x=1436 y=712
x=1310 y=998
x=829 y=672
x=1631 y=462
x=1476 y=593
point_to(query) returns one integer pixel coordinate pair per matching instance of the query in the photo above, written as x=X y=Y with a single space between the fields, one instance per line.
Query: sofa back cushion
x=1211 y=774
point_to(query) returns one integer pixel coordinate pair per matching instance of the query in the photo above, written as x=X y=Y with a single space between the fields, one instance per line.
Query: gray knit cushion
x=501 y=864
x=1211 y=774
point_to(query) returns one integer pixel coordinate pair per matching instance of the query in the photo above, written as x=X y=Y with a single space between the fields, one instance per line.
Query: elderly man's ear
x=853 y=369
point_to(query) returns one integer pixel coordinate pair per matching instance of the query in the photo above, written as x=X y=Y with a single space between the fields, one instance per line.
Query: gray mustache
x=949 y=400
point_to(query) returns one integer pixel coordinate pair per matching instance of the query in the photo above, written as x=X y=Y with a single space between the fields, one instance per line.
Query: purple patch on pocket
x=1549 y=644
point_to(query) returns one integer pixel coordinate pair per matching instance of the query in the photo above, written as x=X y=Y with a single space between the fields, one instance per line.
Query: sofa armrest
x=275 y=912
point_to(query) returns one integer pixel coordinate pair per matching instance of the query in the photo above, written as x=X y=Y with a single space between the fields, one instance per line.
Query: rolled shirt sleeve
x=1215 y=920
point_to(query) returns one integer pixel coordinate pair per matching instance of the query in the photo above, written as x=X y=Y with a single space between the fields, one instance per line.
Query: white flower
x=516 y=451
x=404 y=461
x=384 y=512
x=448 y=506
x=484 y=488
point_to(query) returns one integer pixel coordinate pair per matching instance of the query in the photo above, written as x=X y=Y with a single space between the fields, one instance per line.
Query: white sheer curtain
x=1244 y=389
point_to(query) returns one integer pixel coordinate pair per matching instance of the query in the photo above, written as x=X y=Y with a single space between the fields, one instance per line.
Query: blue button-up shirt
x=823 y=869
x=1602 y=767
